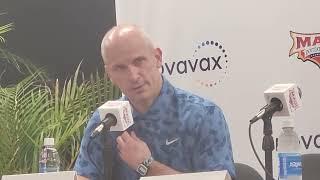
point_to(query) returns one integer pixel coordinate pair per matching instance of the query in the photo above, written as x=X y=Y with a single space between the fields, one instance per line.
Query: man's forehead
x=128 y=49
x=124 y=60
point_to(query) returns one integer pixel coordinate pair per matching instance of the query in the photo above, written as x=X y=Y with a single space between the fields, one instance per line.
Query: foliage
x=33 y=109
x=21 y=66
x=9 y=60
x=4 y=29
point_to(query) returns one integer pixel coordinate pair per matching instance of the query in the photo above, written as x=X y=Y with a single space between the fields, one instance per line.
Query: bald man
x=174 y=131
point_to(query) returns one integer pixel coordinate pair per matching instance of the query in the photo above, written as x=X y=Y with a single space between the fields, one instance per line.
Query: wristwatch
x=144 y=166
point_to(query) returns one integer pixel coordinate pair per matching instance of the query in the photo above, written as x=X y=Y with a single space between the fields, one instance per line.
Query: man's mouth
x=138 y=87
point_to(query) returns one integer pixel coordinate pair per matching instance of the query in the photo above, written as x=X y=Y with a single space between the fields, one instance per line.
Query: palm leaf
x=21 y=65
x=31 y=110
x=20 y=107
x=4 y=29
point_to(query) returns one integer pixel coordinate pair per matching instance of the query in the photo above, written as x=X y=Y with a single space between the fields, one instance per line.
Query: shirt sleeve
x=214 y=150
x=92 y=169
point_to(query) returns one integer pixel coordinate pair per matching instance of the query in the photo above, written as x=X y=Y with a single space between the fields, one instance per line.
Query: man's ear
x=158 y=55
x=106 y=74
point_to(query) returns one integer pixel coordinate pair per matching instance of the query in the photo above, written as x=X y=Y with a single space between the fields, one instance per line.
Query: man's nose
x=134 y=74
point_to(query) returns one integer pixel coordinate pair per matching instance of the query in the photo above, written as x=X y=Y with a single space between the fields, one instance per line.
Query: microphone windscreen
x=288 y=94
x=121 y=110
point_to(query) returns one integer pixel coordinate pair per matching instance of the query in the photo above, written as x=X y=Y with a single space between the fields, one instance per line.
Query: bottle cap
x=287 y=123
x=48 y=142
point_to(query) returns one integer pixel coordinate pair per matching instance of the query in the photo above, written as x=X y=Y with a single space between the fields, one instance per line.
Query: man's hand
x=132 y=150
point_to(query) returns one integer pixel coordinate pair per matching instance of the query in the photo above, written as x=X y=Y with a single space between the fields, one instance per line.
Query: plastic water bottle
x=49 y=160
x=289 y=156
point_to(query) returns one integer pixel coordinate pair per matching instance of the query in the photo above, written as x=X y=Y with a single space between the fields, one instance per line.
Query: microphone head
x=288 y=94
x=121 y=110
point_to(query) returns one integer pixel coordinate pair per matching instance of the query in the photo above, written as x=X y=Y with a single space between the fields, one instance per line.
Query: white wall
x=256 y=39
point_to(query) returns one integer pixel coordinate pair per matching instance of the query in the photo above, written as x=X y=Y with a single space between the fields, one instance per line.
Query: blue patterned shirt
x=183 y=131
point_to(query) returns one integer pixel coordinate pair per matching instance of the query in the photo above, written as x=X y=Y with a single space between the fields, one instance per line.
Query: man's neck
x=144 y=105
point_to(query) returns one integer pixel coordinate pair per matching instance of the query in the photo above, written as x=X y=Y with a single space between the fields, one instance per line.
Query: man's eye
x=139 y=61
x=119 y=68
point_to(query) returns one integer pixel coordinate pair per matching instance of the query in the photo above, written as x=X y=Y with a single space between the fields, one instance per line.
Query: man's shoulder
x=188 y=101
x=187 y=98
x=94 y=120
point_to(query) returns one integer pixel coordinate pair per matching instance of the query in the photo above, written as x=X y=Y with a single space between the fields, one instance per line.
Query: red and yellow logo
x=307 y=46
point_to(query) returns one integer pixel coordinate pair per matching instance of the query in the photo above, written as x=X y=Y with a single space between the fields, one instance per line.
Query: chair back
x=310 y=166
x=245 y=172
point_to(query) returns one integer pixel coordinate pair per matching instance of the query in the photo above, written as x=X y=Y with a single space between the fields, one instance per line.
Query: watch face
x=142 y=170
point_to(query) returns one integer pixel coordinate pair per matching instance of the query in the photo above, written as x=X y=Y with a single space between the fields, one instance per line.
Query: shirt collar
x=165 y=93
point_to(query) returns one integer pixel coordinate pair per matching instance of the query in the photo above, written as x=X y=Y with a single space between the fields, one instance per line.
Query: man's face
x=133 y=65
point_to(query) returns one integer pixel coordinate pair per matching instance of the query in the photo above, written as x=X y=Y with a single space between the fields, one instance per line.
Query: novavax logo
x=208 y=66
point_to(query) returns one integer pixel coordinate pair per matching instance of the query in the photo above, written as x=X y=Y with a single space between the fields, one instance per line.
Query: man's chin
x=138 y=96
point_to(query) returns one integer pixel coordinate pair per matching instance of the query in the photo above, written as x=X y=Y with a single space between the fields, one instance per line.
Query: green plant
x=8 y=59
x=33 y=109
x=4 y=29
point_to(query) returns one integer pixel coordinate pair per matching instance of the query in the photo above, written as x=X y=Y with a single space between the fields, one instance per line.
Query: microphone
x=282 y=99
x=115 y=115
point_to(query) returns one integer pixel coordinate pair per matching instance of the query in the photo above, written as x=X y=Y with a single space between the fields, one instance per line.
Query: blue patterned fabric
x=182 y=130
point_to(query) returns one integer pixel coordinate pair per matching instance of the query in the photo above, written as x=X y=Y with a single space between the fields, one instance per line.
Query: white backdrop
x=231 y=51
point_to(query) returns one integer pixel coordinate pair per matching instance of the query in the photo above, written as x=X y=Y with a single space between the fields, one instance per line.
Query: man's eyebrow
x=139 y=58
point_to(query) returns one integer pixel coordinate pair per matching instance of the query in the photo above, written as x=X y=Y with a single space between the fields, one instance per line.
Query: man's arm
x=92 y=169
x=157 y=169
x=82 y=178
x=134 y=151
x=213 y=151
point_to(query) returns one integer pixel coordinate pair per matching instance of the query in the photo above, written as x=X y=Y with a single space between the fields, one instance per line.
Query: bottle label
x=49 y=160
x=289 y=164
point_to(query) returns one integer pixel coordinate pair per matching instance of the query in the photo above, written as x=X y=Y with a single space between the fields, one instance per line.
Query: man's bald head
x=119 y=35
x=132 y=63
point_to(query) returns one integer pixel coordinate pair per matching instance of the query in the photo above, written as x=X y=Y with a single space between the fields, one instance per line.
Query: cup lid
x=287 y=123
x=48 y=142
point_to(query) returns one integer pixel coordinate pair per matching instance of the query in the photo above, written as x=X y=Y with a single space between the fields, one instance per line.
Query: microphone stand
x=109 y=120
x=104 y=128
x=266 y=114
x=268 y=144
x=107 y=153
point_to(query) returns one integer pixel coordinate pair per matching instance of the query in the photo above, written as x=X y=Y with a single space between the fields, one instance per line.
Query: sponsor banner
x=306 y=46
x=207 y=67
x=231 y=52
